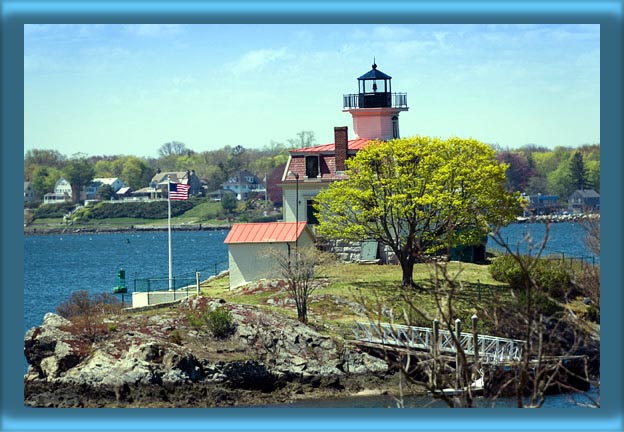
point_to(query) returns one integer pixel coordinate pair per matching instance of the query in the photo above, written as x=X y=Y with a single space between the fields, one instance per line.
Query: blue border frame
x=607 y=13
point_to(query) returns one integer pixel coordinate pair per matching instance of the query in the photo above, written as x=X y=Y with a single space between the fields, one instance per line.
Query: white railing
x=491 y=349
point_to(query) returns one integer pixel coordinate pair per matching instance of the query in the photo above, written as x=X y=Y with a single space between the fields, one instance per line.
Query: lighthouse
x=375 y=109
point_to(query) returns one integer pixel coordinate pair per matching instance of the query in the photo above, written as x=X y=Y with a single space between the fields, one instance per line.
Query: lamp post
x=290 y=173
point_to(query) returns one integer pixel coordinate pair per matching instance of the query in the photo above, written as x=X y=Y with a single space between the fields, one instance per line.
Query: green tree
x=104 y=169
x=229 y=202
x=559 y=180
x=41 y=158
x=105 y=192
x=79 y=172
x=417 y=196
x=175 y=148
x=578 y=172
x=44 y=179
x=593 y=174
x=135 y=172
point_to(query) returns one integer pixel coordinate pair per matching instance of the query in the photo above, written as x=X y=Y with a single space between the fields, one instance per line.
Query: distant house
x=123 y=193
x=543 y=204
x=218 y=195
x=160 y=179
x=584 y=200
x=114 y=182
x=243 y=184
x=62 y=193
x=29 y=192
x=251 y=247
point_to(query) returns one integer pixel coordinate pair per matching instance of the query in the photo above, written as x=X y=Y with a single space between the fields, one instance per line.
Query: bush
x=87 y=313
x=139 y=210
x=194 y=319
x=551 y=276
x=53 y=210
x=220 y=322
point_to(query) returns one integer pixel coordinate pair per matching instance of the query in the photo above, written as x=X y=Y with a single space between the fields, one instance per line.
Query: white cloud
x=257 y=60
x=153 y=30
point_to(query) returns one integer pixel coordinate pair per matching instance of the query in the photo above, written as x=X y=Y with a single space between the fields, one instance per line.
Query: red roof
x=271 y=232
x=355 y=144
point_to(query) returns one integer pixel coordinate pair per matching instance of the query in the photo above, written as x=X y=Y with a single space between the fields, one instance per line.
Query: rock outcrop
x=160 y=359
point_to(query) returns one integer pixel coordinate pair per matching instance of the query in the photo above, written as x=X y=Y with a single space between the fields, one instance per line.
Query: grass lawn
x=378 y=288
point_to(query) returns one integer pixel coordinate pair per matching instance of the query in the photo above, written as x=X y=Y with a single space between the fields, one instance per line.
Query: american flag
x=178 y=191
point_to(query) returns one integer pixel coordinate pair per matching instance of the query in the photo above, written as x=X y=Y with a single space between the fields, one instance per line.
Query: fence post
x=434 y=351
x=197 y=282
x=478 y=290
x=148 y=292
x=475 y=347
x=457 y=357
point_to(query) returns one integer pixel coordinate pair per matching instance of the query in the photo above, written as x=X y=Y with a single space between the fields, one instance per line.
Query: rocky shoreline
x=157 y=359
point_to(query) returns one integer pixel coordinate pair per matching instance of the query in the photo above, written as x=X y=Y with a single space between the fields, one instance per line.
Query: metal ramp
x=491 y=349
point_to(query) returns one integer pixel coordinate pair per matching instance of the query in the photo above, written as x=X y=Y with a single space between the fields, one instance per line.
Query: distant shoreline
x=68 y=229
x=577 y=217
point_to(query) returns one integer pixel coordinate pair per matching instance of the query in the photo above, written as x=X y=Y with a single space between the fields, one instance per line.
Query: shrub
x=139 y=210
x=53 y=210
x=87 y=313
x=194 y=319
x=220 y=322
x=551 y=276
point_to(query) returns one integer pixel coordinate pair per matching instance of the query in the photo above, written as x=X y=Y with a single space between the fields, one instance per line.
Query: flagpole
x=169 y=230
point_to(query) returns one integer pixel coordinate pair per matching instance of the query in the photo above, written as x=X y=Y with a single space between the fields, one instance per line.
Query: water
x=566 y=238
x=57 y=265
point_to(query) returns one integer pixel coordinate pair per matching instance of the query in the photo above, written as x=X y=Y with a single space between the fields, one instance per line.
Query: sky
x=113 y=89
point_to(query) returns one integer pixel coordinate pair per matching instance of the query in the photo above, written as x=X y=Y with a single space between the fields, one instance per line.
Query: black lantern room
x=374 y=91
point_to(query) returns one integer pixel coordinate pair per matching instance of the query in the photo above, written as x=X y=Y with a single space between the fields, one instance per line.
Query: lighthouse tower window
x=395 y=127
x=312 y=166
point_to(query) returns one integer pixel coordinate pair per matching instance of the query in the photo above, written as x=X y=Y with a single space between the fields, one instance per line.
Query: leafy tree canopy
x=79 y=172
x=418 y=195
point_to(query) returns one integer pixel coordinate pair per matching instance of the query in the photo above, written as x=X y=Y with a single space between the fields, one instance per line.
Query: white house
x=243 y=184
x=114 y=182
x=62 y=193
x=251 y=248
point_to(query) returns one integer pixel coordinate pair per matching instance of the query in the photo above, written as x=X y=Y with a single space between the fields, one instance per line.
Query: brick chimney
x=341 y=143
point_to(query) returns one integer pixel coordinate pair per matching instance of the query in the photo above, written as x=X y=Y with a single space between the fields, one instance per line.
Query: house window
x=312 y=166
x=311 y=213
x=395 y=127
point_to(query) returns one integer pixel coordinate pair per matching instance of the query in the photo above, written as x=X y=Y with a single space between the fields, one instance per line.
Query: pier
x=494 y=360
x=489 y=349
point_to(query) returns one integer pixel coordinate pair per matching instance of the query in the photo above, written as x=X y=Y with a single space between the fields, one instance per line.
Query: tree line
x=559 y=171
x=43 y=168
x=531 y=169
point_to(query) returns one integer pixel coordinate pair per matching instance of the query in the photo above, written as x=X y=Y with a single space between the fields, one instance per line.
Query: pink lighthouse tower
x=375 y=109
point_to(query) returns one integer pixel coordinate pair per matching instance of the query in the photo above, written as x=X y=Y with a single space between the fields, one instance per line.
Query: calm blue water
x=57 y=265
x=566 y=237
